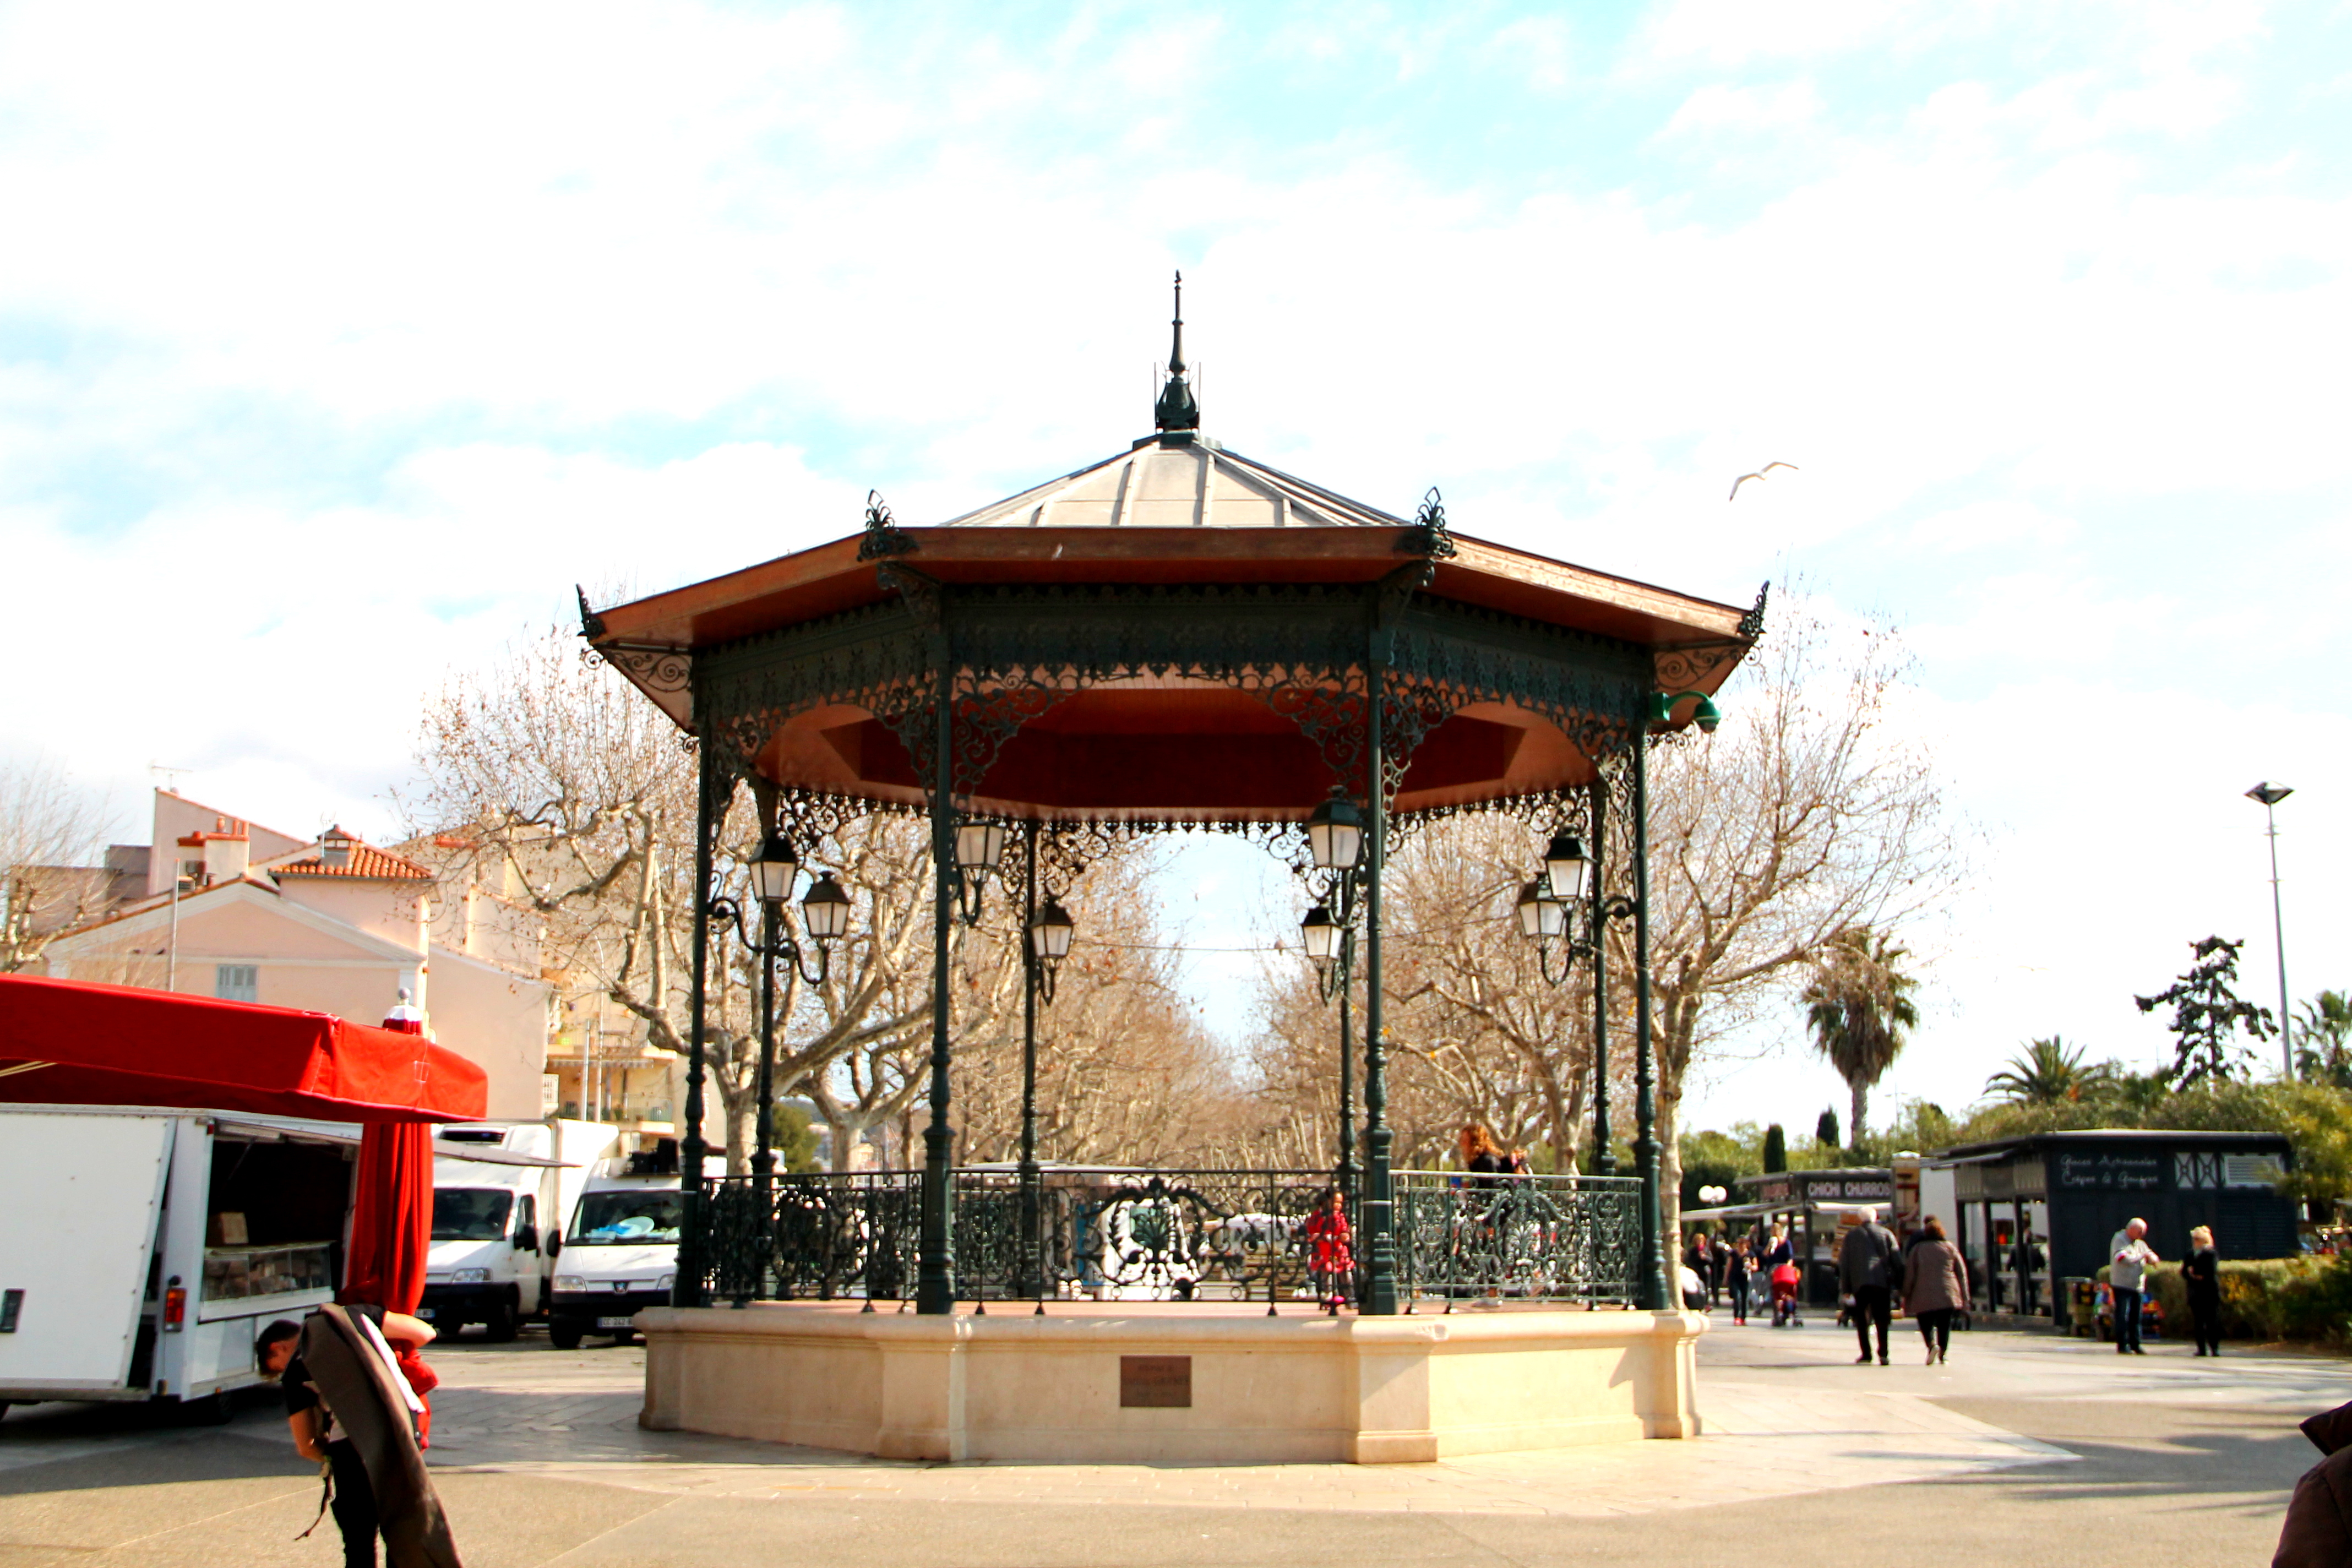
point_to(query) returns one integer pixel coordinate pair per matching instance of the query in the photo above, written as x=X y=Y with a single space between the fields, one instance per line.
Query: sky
x=338 y=342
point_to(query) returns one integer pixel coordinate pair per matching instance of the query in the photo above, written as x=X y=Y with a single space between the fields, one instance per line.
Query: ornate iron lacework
x=658 y=671
x=1751 y=625
x=1301 y=650
x=809 y=817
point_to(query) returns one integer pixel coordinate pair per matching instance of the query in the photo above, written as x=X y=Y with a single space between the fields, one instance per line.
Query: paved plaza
x=2024 y=1448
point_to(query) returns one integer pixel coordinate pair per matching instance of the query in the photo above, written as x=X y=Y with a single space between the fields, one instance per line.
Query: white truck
x=142 y=1250
x=499 y=1190
x=620 y=1250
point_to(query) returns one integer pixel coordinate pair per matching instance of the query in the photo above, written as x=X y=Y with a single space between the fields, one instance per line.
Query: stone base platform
x=1186 y=1383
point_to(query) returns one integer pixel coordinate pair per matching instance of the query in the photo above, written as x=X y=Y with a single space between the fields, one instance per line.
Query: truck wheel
x=211 y=1410
x=563 y=1333
x=502 y=1323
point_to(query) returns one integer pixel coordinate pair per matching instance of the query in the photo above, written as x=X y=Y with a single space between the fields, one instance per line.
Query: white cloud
x=334 y=349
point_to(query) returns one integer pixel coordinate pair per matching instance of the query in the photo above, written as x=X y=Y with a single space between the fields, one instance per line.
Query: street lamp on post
x=1547 y=911
x=1335 y=842
x=774 y=872
x=1046 y=932
x=2270 y=795
x=979 y=846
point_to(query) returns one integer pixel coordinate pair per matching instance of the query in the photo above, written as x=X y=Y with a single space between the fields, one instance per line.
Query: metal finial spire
x=1176 y=409
x=1176 y=348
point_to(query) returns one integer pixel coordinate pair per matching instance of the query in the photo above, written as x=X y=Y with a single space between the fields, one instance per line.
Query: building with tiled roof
x=336 y=925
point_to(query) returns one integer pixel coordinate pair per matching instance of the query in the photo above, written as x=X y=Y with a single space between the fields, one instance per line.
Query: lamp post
x=979 y=846
x=1335 y=841
x=1045 y=941
x=2270 y=795
x=1546 y=909
x=824 y=915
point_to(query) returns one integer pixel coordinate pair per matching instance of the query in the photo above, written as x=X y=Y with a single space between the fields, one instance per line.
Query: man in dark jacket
x=1869 y=1266
x=2318 y=1531
x=350 y=1406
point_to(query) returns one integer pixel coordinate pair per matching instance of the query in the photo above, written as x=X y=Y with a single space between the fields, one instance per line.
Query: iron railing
x=1573 y=1238
x=1103 y=1233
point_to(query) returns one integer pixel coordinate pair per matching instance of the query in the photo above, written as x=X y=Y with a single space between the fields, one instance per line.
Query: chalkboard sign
x=2112 y=1173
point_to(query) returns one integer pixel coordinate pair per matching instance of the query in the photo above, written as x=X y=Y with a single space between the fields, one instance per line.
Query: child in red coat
x=1330 y=1251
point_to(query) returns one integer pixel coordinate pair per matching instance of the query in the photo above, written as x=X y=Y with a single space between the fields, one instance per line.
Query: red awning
x=64 y=1042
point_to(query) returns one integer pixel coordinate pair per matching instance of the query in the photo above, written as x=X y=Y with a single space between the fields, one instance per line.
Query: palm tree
x=2324 y=1035
x=1858 y=1004
x=2046 y=1073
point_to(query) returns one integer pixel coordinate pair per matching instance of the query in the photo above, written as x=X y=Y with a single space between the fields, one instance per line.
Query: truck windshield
x=469 y=1214
x=619 y=1218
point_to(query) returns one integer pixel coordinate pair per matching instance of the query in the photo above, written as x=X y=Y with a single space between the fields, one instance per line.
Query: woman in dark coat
x=1935 y=1288
x=2201 y=1272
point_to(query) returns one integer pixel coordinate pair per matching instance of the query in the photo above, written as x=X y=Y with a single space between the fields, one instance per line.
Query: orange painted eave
x=829 y=579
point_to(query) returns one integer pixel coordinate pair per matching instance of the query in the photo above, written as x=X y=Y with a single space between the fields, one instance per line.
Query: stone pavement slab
x=2023 y=1449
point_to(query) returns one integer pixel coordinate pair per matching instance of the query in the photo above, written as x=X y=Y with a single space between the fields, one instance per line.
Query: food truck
x=180 y=1170
x=146 y=1248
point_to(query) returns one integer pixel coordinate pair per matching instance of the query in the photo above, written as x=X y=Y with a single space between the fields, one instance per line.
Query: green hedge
x=2266 y=1299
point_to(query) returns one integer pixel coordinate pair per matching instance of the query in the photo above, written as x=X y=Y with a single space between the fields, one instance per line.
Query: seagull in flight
x=1760 y=473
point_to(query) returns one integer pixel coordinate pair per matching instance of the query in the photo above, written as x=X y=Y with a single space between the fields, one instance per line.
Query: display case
x=234 y=1273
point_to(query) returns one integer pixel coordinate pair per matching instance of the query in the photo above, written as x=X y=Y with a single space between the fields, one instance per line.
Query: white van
x=620 y=1251
x=499 y=1189
x=142 y=1250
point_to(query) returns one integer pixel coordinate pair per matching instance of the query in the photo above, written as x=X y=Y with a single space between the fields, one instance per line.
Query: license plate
x=613 y=1322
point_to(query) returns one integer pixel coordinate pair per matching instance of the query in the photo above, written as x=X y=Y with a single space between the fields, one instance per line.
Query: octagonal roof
x=1177 y=480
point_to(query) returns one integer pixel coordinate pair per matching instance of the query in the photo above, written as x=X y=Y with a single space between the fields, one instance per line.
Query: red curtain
x=392 y=1216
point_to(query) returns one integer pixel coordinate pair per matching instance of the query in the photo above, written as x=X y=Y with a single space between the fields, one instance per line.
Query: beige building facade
x=334 y=925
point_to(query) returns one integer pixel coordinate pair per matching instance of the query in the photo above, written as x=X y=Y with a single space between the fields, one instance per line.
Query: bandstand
x=1177 y=636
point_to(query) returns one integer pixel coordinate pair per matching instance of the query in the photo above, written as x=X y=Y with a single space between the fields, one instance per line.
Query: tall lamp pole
x=2270 y=795
x=1045 y=941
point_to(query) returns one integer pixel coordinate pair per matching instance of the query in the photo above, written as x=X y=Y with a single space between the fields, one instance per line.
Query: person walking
x=2128 y=1259
x=1869 y=1265
x=1699 y=1258
x=1737 y=1263
x=1934 y=1288
x=2201 y=1272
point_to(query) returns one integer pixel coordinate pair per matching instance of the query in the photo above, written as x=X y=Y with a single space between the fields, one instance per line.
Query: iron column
x=1605 y=1157
x=1031 y=1281
x=935 y=1250
x=1654 y=1296
x=693 y=1261
x=1379 y=1285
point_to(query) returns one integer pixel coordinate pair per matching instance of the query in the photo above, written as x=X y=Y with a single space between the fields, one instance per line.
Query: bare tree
x=1474 y=1032
x=1806 y=815
x=52 y=833
x=577 y=797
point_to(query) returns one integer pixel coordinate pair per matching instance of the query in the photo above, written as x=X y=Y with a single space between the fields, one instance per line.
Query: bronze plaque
x=1155 y=1382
